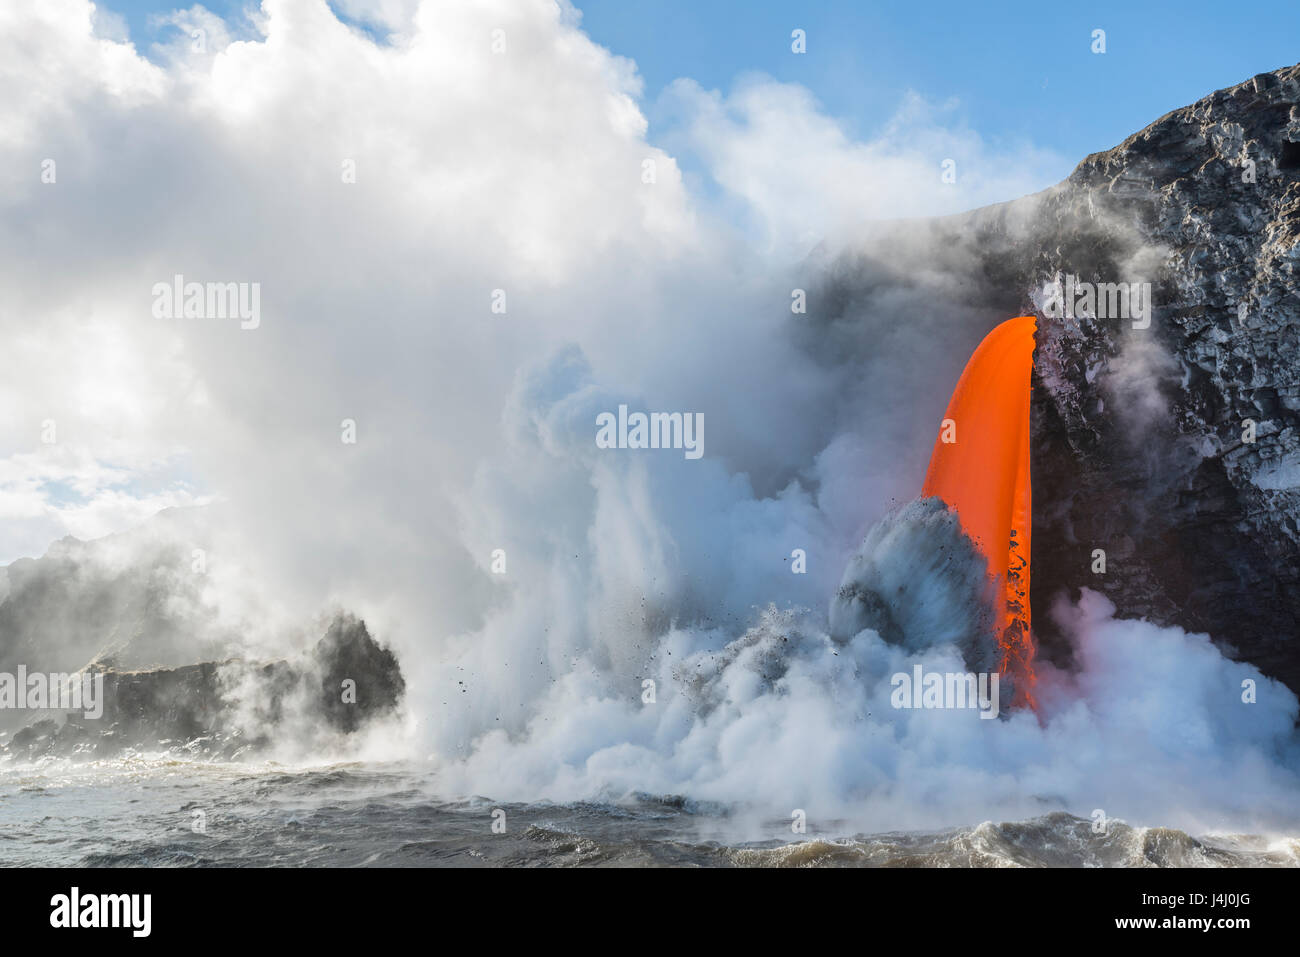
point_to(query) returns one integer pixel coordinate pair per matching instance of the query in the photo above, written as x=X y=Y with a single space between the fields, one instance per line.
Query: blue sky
x=1022 y=71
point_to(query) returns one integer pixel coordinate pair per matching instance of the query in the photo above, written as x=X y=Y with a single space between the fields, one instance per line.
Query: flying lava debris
x=980 y=469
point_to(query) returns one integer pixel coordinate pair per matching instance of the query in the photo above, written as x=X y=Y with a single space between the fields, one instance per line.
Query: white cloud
x=803 y=180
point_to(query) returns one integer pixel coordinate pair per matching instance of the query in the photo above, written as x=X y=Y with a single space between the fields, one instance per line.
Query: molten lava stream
x=983 y=475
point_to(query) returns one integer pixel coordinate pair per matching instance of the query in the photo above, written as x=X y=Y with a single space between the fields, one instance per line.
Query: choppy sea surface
x=142 y=812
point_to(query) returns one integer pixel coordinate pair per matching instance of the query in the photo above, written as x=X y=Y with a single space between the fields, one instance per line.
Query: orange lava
x=984 y=477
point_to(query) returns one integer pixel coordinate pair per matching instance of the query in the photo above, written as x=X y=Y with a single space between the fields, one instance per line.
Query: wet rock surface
x=225 y=709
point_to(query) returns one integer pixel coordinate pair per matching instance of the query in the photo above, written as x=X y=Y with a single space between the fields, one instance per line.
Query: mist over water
x=382 y=814
x=476 y=433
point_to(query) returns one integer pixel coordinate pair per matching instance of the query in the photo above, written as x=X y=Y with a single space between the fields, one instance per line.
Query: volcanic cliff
x=1173 y=448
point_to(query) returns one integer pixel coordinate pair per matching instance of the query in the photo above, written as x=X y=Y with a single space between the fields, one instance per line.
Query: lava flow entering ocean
x=980 y=469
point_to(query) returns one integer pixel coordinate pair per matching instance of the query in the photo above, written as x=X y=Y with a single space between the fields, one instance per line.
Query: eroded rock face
x=230 y=708
x=347 y=653
x=1139 y=436
x=1138 y=433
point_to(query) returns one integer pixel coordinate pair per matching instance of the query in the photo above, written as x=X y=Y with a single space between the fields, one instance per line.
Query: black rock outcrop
x=230 y=708
x=1142 y=436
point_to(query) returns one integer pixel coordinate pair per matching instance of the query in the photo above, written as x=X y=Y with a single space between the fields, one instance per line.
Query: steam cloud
x=523 y=172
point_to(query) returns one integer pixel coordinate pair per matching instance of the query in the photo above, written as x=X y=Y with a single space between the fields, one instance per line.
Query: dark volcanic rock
x=347 y=653
x=1139 y=439
x=1138 y=433
x=227 y=708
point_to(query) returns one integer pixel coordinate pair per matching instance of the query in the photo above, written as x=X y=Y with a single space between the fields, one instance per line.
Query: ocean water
x=141 y=812
x=1150 y=728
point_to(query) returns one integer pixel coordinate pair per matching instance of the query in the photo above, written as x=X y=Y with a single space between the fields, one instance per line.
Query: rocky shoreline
x=229 y=709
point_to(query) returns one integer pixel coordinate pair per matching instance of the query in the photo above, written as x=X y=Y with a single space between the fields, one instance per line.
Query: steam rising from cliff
x=524 y=172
